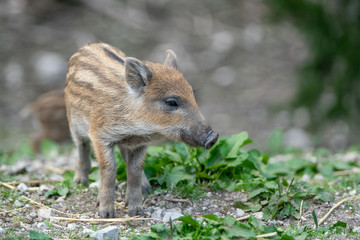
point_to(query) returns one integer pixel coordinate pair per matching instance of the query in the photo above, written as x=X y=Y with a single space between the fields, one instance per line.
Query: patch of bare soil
x=19 y=214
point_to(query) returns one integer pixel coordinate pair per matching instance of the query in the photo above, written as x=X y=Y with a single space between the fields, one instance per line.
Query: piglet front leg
x=134 y=159
x=106 y=158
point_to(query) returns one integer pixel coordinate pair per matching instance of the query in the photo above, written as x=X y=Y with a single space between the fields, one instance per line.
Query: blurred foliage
x=329 y=84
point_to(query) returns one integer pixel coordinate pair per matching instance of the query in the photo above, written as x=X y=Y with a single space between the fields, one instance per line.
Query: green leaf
x=271 y=185
x=257 y=192
x=229 y=221
x=176 y=175
x=212 y=217
x=256 y=223
x=340 y=224
x=63 y=191
x=236 y=141
x=38 y=236
x=315 y=218
x=51 y=193
x=189 y=220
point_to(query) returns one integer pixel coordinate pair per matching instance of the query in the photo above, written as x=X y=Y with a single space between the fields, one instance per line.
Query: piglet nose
x=211 y=139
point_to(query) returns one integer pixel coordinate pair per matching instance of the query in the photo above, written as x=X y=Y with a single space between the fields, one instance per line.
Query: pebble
x=22 y=187
x=356 y=229
x=157 y=214
x=258 y=215
x=188 y=210
x=110 y=233
x=95 y=184
x=41 y=225
x=87 y=231
x=45 y=213
x=171 y=213
x=209 y=194
x=2 y=231
x=84 y=217
x=319 y=177
x=17 y=203
x=306 y=177
x=352 y=192
x=239 y=213
x=72 y=226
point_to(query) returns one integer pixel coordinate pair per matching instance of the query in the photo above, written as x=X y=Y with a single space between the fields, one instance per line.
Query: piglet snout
x=211 y=139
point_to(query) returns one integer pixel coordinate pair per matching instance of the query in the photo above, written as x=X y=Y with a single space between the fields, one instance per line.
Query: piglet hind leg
x=134 y=159
x=83 y=167
x=106 y=197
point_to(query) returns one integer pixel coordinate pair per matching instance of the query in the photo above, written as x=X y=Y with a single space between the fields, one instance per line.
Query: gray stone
x=41 y=226
x=171 y=213
x=87 y=231
x=22 y=187
x=239 y=213
x=45 y=213
x=17 y=203
x=72 y=226
x=258 y=215
x=109 y=233
x=157 y=214
x=2 y=231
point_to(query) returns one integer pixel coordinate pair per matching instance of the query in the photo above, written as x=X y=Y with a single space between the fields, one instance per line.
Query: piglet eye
x=171 y=102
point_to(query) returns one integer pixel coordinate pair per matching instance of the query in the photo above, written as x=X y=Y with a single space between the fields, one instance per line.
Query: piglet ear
x=137 y=75
x=170 y=60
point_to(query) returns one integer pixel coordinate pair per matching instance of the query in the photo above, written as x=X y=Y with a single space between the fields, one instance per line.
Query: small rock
x=45 y=213
x=72 y=226
x=258 y=215
x=306 y=178
x=87 y=231
x=2 y=231
x=209 y=194
x=84 y=217
x=22 y=187
x=18 y=167
x=171 y=213
x=352 y=193
x=41 y=225
x=60 y=200
x=44 y=188
x=17 y=203
x=356 y=229
x=95 y=184
x=157 y=214
x=239 y=213
x=319 y=177
x=188 y=210
x=110 y=233
x=162 y=204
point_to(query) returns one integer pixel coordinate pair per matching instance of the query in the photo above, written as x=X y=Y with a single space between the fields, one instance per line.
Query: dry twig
x=337 y=205
x=100 y=219
x=33 y=182
x=301 y=207
x=178 y=200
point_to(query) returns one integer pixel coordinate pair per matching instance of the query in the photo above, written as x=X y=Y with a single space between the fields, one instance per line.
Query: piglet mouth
x=211 y=139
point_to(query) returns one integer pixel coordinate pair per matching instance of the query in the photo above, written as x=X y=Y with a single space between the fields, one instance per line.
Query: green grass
x=274 y=188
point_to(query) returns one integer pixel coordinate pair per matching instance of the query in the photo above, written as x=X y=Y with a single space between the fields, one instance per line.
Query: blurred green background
x=286 y=71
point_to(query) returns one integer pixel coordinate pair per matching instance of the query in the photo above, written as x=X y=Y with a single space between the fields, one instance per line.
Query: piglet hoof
x=107 y=212
x=146 y=188
x=136 y=212
x=83 y=181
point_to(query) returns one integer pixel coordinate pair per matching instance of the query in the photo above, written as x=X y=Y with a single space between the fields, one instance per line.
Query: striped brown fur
x=112 y=99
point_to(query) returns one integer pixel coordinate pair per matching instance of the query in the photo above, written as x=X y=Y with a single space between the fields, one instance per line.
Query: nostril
x=211 y=139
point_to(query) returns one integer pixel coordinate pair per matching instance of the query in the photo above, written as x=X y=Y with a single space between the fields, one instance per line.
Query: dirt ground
x=80 y=203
